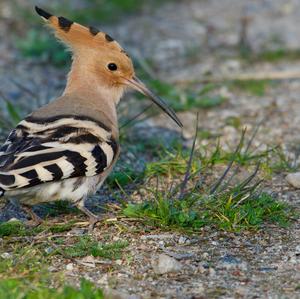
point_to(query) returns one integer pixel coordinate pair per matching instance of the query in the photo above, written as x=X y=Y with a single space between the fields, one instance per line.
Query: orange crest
x=77 y=36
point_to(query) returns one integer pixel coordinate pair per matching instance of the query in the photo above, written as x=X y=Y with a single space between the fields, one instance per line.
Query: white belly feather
x=73 y=190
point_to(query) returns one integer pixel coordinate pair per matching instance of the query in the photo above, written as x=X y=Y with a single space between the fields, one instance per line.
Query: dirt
x=186 y=40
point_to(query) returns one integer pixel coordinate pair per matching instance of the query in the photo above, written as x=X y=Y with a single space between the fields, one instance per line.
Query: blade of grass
x=245 y=152
x=127 y=123
x=257 y=127
x=12 y=111
x=189 y=165
x=230 y=164
x=24 y=89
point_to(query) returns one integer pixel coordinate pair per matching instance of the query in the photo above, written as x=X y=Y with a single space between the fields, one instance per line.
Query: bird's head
x=97 y=53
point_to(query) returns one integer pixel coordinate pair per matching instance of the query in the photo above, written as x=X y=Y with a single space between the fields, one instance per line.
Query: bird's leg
x=35 y=219
x=93 y=219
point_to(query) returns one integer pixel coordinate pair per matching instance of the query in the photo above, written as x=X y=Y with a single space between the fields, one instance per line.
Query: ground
x=236 y=64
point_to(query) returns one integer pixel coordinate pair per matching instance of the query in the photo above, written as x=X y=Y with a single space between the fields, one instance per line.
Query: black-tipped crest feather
x=65 y=24
x=43 y=13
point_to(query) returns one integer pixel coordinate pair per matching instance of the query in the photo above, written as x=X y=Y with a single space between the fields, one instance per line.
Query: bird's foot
x=35 y=219
x=93 y=219
x=33 y=223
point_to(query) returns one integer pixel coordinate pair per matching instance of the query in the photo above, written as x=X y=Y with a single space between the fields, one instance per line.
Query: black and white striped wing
x=40 y=151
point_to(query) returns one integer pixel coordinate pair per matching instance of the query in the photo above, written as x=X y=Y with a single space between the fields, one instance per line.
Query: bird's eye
x=112 y=66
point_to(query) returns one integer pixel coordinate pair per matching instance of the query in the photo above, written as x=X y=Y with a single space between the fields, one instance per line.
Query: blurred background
x=236 y=62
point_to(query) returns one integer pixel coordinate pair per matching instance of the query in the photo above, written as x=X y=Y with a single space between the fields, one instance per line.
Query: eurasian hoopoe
x=66 y=149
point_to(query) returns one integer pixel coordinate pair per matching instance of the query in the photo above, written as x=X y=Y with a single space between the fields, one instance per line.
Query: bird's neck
x=84 y=83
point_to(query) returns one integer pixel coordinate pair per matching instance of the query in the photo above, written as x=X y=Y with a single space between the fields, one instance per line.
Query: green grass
x=170 y=164
x=272 y=160
x=18 y=229
x=276 y=55
x=227 y=203
x=233 y=121
x=16 y=288
x=253 y=87
x=124 y=176
x=43 y=45
x=24 y=266
x=60 y=208
x=91 y=12
x=106 y=11
x=229 y=211
x=10 y=114
x=87 y=246
x=60 y=228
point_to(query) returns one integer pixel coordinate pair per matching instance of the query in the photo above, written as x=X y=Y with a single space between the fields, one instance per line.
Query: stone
x=52 y=269
x=69 y=267
x=165 y=264
x=88 y=261
x=6 y=255
x=119 y=262
x=117 y=294
x=183 y=240
x=49 y=250
x=294 y=179
x=229 y=262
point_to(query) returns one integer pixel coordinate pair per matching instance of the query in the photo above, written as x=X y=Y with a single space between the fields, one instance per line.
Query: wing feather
x=35 y=153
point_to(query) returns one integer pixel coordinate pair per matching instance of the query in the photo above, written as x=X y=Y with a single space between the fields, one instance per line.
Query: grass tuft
x=227 y=211
x=254 y=87
x=276 y=55
x=226 y=203
x=60 y=228
x=14 y=288
x=87 y=246
x=170 y=165
x=12 y=228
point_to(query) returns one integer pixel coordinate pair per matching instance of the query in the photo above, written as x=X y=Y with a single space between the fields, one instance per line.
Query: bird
x=66 y=149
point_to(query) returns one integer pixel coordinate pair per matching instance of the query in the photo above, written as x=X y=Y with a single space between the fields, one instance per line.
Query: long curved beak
x=142 y=88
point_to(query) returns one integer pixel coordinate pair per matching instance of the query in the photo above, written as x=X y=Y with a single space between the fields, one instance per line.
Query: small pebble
x=161 y=243
x=88 y=261
x=6 y=255
x=231 y=262
x=212 y=272
x=13 y=219
x=182 y=240
x=119 y=262
x=294 y=179
x=103 y=279
x=201 y=269
x=69 y=267
x=48 y=250
x=205 y=255
x=51 y=269
x=165 y=264
x=267 y=269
